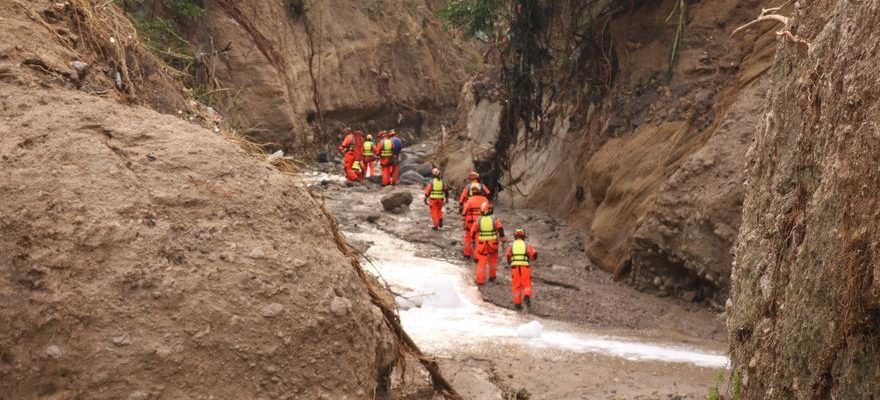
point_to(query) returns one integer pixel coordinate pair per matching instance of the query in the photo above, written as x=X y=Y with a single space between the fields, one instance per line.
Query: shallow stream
x=442 y=309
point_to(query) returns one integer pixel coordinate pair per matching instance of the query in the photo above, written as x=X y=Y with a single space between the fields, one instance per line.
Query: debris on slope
x=81 y=45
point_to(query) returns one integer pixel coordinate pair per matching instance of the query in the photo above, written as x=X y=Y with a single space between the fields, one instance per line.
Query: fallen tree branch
x=761 y=18
x=767 y=15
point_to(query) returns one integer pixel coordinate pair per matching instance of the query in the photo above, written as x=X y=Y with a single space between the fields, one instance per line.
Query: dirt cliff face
x=649 y=164
x=805 y=307
x=145 y=257
x=358 y=61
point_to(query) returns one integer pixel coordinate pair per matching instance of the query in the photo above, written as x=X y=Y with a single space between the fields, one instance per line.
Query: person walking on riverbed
x=370 y=149
x=388 y=160
x=473 y=181
x=470 y=213
x=352 y=150
x=436 y=195
x=520 y=256
x=397 y=147
x=487 y=230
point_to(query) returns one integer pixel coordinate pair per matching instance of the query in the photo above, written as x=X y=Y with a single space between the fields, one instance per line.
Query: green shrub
x=161 y=35
x=185 y=8
x=476 y=17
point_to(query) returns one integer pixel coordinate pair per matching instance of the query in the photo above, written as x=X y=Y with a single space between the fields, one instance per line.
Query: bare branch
x=767 y=15
x=761 y=18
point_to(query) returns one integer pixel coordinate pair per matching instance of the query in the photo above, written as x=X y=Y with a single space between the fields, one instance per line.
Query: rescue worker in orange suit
x=346 y=148
x=358 y=171
x=352 y=150
x=397 y=146
x=436 y=195
x=387 y=159
x=470 y=213
x=473 y=178
x=520 y=256
x=370 y=150
x=487 y=230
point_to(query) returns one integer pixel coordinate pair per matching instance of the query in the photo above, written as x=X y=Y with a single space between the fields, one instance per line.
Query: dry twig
x=768 y=14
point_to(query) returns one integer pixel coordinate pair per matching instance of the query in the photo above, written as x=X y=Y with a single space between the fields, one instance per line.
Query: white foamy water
x=443 y=311
x=309 y=178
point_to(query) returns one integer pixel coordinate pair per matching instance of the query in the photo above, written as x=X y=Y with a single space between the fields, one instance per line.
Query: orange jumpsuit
x=519 y=256
x=352 y=147
x=347 y=149
x=466 y=193
x=435 y=195
x=487 y=229
x=470 y=213
x=369 y=164
x=388 y=160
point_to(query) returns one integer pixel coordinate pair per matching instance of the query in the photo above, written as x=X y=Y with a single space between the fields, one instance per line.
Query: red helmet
x=519 y=234
x=381 y=133
x=392 y=133
x=486 y=208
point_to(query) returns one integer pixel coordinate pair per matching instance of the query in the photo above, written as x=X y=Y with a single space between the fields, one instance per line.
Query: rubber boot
x=528 y=301
x=517 y=306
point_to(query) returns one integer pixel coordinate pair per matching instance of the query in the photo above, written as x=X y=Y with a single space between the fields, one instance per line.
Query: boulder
x=412 y=178
x=399 y=210
x=423 y=169
x=396 y=199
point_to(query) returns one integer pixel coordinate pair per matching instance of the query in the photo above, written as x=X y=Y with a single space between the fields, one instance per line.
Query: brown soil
x=371 y=61
x=650 y=169
x=805 y=306
x=41 y=41
x=145 y=257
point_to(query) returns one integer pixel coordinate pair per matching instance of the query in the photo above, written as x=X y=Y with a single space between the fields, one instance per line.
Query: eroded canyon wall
x=804 y=317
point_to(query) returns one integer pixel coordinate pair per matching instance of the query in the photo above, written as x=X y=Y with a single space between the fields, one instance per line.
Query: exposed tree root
x=264 y=45
x=316 y=94
x=767 y=15
x=406 y=345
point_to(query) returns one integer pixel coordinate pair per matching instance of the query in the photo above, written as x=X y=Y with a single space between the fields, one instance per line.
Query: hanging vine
x=316 y=93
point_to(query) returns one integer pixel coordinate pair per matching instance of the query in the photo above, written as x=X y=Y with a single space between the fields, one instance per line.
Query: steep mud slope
x=645 y=157
x=291 y=64
x=144 y=257
x=805 y=316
